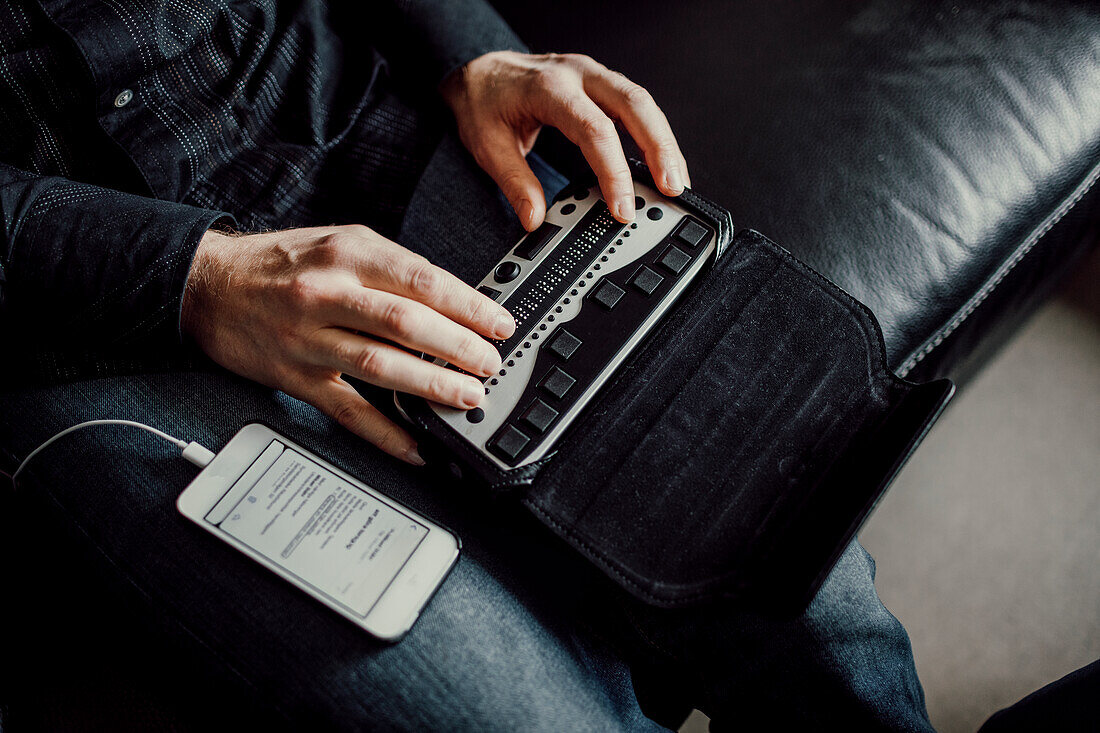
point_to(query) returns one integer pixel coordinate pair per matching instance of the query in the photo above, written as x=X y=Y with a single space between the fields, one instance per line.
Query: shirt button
x=124 y=98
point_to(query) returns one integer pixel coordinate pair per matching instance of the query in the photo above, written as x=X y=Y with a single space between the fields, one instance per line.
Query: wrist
x=197 y=294
x=455 y=87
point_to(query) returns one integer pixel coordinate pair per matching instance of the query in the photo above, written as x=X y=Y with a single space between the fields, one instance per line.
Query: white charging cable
x=193 y=452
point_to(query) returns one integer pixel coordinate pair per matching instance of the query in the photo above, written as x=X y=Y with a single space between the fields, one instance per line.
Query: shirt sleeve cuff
x=455 y=32
x=101 y=269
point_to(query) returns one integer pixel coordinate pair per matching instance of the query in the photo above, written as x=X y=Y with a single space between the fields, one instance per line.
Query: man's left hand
x=502 y=99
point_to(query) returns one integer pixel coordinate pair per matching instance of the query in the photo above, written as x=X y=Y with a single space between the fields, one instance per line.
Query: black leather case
x=739 y=449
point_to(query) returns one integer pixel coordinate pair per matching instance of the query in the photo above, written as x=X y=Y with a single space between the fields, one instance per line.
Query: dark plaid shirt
x=129 y=127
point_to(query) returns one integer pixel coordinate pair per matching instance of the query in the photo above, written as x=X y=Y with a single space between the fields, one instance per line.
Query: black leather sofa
x=936 y=159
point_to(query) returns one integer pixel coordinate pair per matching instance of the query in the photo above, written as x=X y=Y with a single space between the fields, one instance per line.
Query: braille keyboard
x=584 y=290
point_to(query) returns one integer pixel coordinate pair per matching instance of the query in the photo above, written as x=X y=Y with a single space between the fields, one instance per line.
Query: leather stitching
x=1002 y=272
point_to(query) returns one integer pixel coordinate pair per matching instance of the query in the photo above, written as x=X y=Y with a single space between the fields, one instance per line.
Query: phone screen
x=337 y=538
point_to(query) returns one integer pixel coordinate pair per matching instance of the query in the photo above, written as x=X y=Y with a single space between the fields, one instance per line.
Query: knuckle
x=425 y=280
x=598 y=128
x=577 y=59
x=468 y=351
x=479 y=310
x=302 y=291
x=554 y=77
x=637 y=96
x=346 y=412
x=400 y=320
x=346 y=239
x=356 y=231
x=369 y=363
x=335 y=242
x=443 y=387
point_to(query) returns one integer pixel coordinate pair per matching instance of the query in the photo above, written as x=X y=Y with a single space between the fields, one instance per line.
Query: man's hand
x=297 y=309
x=502 y=99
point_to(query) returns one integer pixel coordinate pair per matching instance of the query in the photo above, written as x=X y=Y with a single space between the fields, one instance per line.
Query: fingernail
x=626 y=208
x=526 y=214
x=412 y=455
x=491 y=364
x=505 y=325
x=673 y=181
x=472 y=393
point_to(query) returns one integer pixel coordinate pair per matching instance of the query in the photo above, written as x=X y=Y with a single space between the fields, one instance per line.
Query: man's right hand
x=297 y=309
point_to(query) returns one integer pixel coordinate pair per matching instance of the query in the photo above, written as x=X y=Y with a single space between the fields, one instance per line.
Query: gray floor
x=988 y=544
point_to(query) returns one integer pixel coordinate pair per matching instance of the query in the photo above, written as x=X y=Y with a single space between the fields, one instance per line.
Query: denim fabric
x=524 y=634
x=497 y=648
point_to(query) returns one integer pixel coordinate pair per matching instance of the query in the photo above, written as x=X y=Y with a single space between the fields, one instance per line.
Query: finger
x=646 y=123
x=415 y=325
x=500 y=155
x=392 y=368
x=397 y=270
x=339 y=400
x=584 y=123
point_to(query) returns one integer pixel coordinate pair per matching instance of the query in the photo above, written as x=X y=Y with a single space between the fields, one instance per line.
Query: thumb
x=500 y=156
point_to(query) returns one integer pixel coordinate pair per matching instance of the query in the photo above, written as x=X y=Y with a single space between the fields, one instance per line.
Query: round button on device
x=568 y=209
x=655 y=213
x=639 y=202
x=506 y=272
x=475 y=415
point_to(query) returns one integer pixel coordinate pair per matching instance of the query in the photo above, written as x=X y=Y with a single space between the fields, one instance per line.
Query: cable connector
x=200 y=455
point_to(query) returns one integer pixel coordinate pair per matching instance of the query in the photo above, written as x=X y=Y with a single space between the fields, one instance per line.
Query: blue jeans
x=524 y=634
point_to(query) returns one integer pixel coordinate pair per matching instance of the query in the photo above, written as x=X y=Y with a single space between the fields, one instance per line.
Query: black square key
x=508 y=443
x=564 y=344
x=675 y=259
x=489 y=292
x=539 y=416
x=607 y=294
x=536 y=241
x=557 y=382
x=691 y=233
x=646 y=280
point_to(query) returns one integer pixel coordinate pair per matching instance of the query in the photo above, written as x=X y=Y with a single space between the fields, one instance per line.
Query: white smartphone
x=360 y=553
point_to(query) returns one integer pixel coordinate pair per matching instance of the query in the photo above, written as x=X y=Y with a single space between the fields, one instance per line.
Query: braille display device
x=584 y=289
x=693 y=409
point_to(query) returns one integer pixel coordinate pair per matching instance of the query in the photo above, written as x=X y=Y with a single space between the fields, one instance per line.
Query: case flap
x=744 y=443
